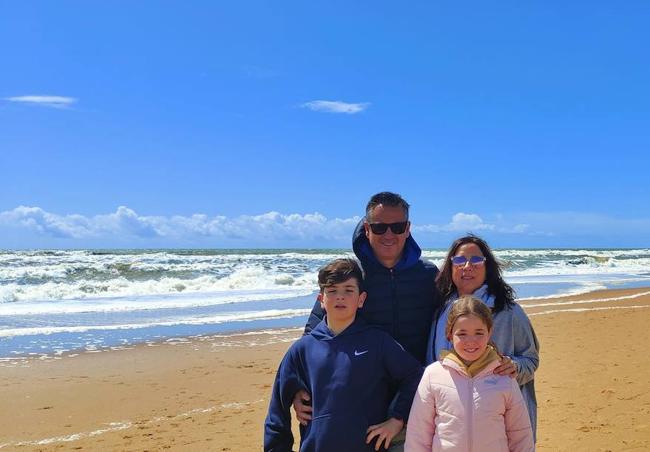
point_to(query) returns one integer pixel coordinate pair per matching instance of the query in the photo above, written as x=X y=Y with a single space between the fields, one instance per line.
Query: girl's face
x=469 y=337
x=468 y=277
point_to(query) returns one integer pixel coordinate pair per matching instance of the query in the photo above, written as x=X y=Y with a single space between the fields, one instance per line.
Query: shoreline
x=55 y=302
x=211 y=392
x=54 y=344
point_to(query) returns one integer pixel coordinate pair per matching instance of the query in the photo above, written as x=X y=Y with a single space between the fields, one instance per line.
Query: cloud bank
x=34 y=227
x=335 y=106
x=44 y=101
x=463 y=223
x=269 y=229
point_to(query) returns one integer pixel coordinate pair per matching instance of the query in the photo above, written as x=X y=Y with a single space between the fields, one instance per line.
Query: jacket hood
x=364 y=253
x=323 y=333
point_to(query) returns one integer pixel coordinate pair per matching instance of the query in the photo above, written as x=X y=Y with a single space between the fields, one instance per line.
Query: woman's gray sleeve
x=526 y=346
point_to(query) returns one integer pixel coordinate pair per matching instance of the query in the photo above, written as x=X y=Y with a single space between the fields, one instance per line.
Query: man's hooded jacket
x=401 y=300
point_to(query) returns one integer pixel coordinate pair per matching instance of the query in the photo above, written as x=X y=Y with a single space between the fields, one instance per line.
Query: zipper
x=470 y=418
x=395 y=307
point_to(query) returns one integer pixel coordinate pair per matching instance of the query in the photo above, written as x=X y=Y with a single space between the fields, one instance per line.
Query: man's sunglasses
x=381 y=228
x=460 y=261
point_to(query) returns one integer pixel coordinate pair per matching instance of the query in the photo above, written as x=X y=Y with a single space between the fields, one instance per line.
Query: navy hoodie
x=401 y=300
x=349 y=377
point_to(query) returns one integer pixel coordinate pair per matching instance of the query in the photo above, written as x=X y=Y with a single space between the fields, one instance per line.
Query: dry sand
x=211 y=393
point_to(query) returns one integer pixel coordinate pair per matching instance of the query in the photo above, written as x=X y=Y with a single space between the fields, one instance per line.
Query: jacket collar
x=323 y=333
x=487 y=362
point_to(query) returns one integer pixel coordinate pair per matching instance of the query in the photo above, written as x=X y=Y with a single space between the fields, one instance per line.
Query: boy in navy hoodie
x=350 y=369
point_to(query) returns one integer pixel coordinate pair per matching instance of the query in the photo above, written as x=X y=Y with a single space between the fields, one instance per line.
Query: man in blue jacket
x=349 y=368
x=401 y=286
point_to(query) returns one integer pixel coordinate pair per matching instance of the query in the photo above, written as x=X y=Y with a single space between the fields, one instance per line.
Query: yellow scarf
x=489 y=355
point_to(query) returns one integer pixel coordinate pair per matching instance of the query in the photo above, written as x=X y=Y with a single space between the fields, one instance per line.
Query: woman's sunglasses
x=381 y=228
x=460 y=261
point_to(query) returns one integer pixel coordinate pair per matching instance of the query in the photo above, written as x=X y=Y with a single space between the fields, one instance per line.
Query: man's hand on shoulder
x=302 y=409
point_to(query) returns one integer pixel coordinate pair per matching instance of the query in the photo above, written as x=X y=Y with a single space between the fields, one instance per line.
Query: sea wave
x=242 y=278
x=213 y=319
x=43 y=275
x=149 y=302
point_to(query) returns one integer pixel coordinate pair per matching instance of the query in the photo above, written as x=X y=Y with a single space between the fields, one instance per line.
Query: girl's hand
x=385 y=432
x=507 y=368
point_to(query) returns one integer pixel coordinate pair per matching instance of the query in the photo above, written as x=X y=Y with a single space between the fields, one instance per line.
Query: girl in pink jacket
x=461 y=405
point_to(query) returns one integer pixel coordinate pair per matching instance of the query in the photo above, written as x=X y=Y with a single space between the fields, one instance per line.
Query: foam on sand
x=125 y=425
x=234 y=317
x=587 y=301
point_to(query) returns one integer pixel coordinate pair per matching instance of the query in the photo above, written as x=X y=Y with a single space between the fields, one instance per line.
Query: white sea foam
x=125 y=425
x=212 y=319
x=39 y=276
x=249 y=278
x=74 y=275
x=577 y=290
x=604 y=308
x=130 y=293
x=582 y=267
x=148 y=303
x=112 y=427
x=589 y=301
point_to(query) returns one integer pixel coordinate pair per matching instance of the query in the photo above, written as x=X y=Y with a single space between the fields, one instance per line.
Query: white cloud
x=36 y=219
x=335 y=106
x=519 y=228
x=125 y=227
x=45 y=101
x=270 y=227
x=125 y=221
x=468 y=222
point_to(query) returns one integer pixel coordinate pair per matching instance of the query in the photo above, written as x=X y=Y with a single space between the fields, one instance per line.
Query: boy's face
x=341 y=301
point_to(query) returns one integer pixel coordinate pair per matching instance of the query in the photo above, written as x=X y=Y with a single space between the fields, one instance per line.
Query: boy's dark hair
x=389 y=199
x=338 y=271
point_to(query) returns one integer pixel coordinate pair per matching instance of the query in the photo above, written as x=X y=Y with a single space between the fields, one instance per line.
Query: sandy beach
x=211 y=393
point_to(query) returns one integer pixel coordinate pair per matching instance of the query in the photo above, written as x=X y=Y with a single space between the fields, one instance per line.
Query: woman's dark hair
x=504 y=294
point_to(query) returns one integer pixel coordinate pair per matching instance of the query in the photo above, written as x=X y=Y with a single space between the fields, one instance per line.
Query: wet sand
x=211 y=393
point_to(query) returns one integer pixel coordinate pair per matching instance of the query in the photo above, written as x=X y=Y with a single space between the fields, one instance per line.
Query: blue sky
x=269 y=124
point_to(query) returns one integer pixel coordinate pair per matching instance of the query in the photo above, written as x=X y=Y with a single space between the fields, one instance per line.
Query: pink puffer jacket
x=453 y=412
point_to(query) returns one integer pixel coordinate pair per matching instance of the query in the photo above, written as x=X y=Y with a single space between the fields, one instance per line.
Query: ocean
x=61 y=301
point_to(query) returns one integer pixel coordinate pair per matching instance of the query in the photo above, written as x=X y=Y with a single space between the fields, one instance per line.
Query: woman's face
x=468 y=277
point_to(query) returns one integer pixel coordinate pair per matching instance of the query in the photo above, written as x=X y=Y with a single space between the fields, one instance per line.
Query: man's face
x=388 y=246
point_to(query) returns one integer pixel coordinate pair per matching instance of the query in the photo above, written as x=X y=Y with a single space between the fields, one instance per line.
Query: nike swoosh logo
x=356 y=353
